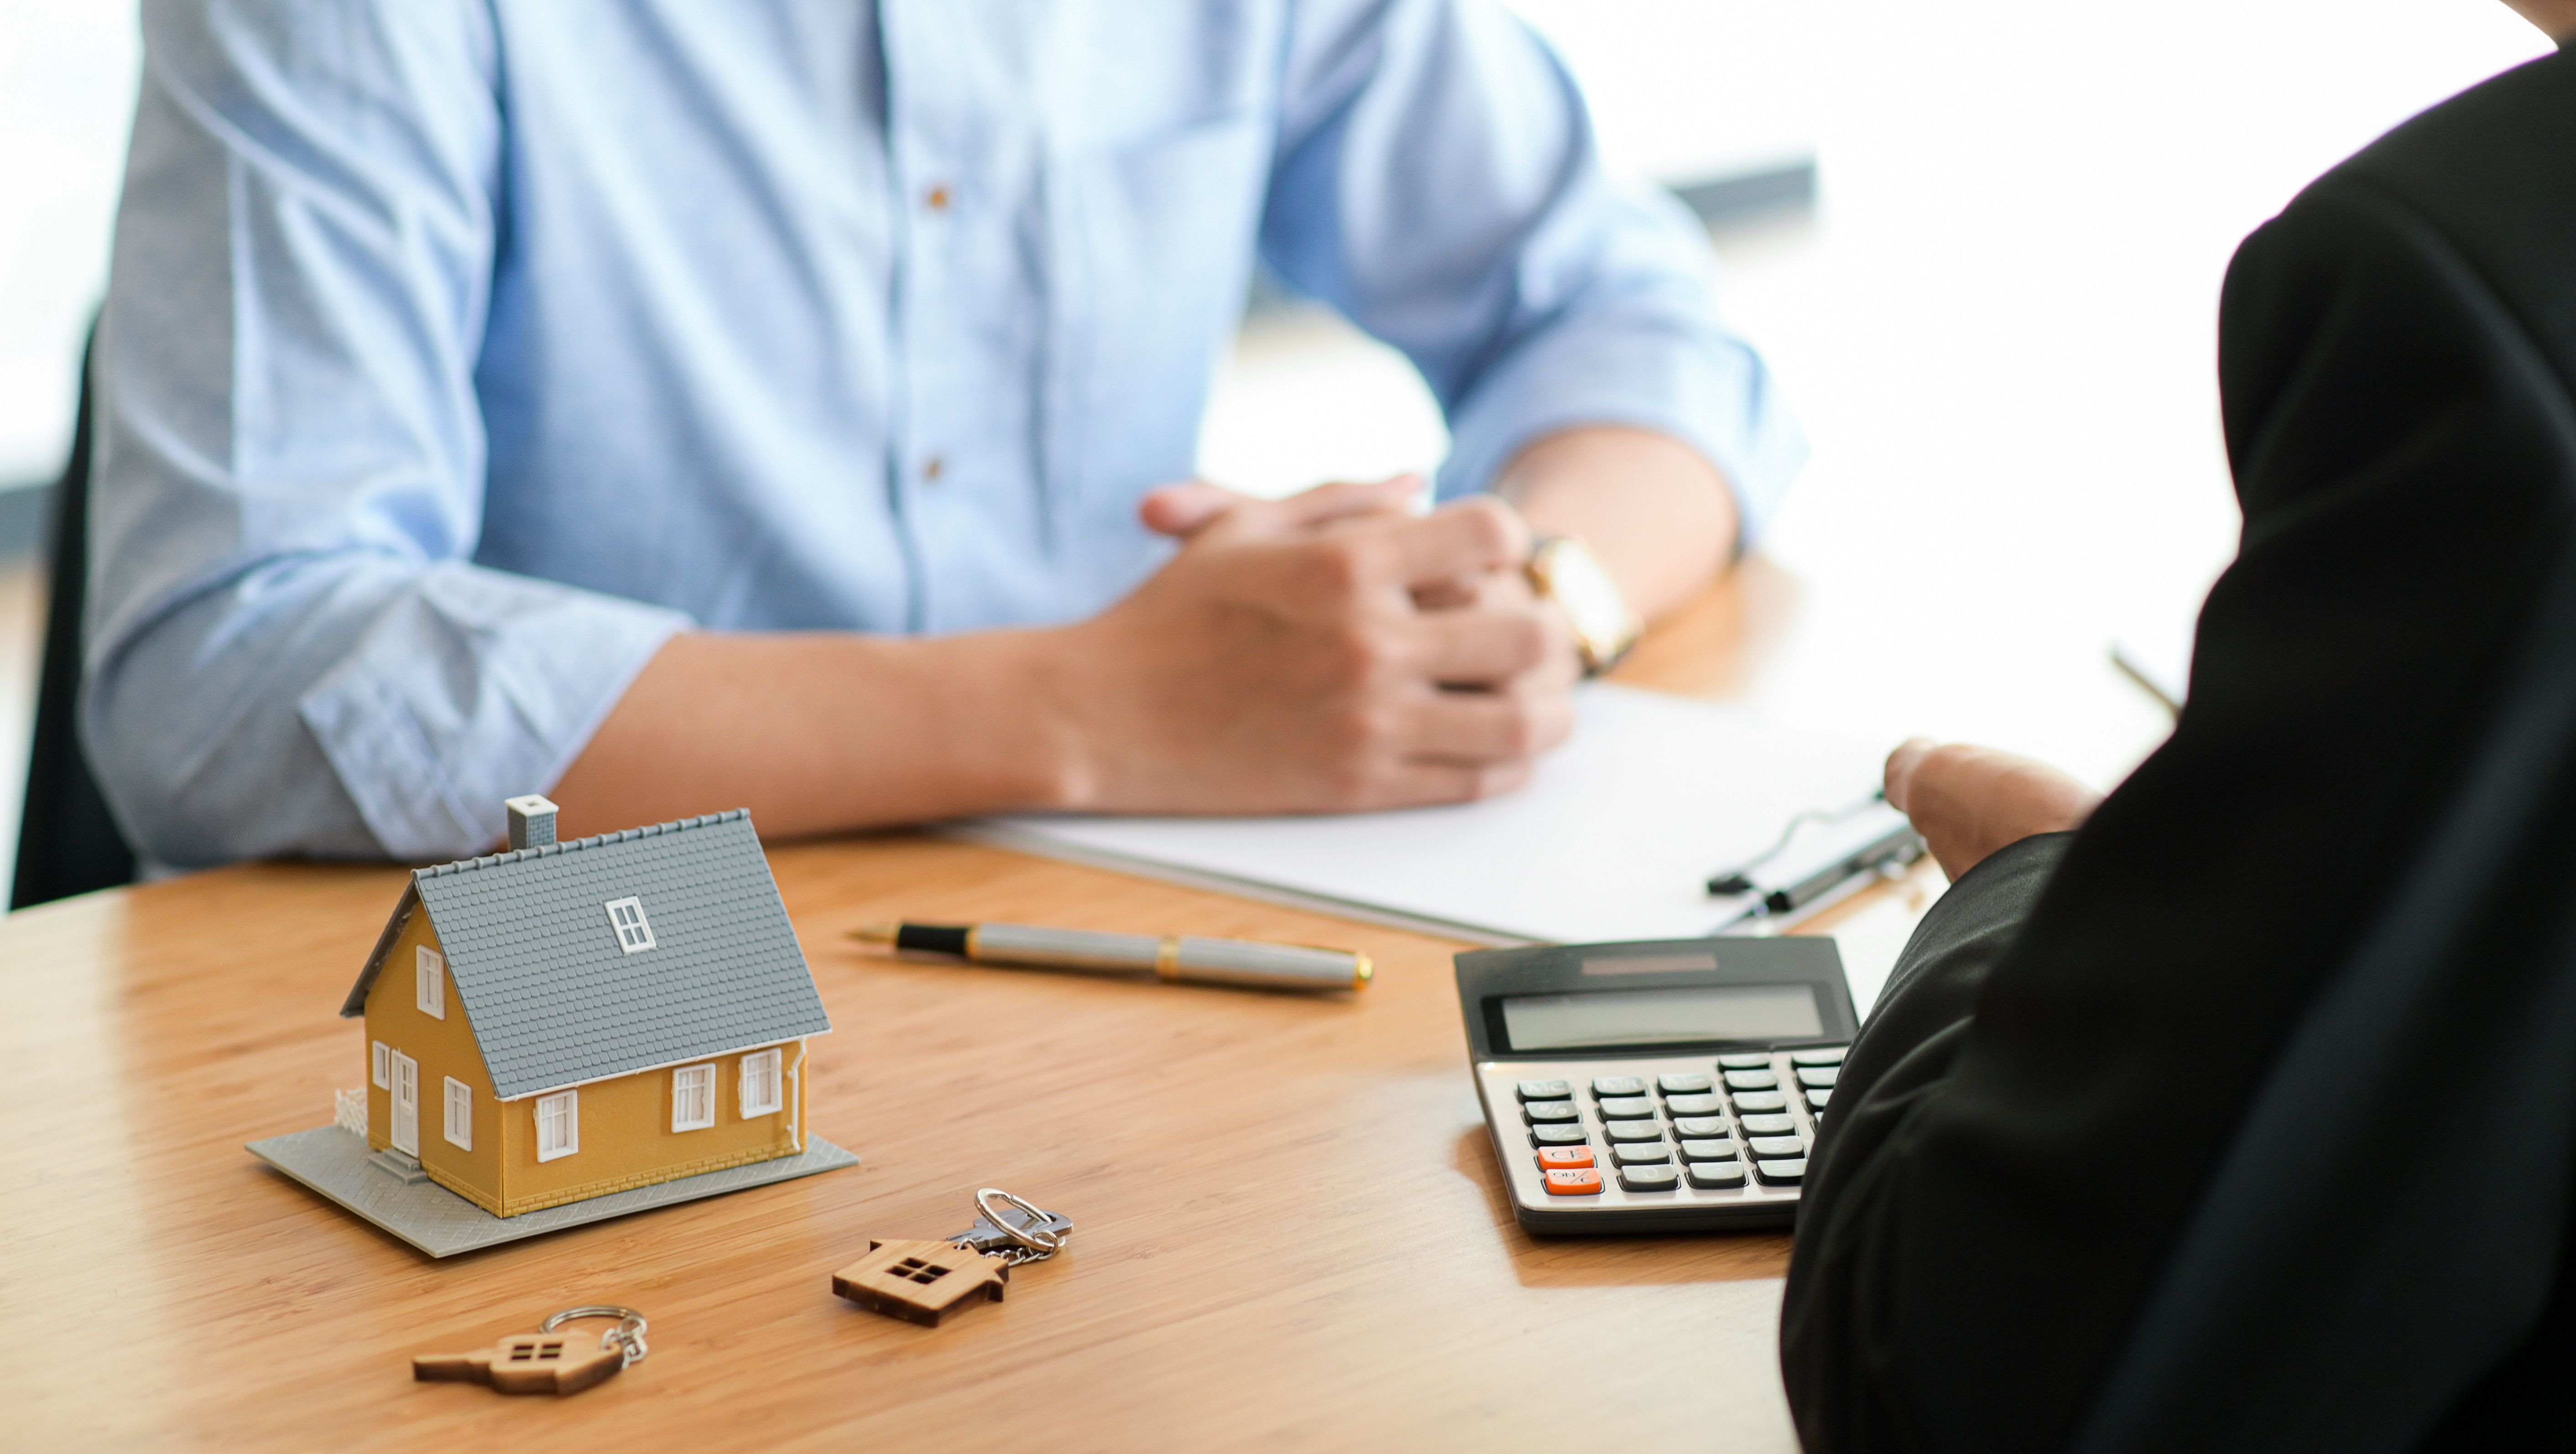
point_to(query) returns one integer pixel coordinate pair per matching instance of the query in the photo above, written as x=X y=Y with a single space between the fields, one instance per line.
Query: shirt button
x=932 y=468
x=937 y=199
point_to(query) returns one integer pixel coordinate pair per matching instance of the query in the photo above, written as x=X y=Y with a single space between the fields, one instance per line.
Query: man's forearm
x=821 y=732
x=1279 y=662
x=1657 y=513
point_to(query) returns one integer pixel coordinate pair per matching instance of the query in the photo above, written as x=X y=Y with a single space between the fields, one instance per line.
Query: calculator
x=1661 y=1086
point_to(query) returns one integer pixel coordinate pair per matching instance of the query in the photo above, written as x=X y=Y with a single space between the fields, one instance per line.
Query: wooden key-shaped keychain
x=544 y=1361
x=923 y=1281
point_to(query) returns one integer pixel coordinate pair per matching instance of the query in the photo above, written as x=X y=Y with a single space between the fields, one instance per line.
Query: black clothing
x=2245 y=1118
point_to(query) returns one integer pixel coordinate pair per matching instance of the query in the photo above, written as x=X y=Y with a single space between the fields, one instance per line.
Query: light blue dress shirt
x=460 y=351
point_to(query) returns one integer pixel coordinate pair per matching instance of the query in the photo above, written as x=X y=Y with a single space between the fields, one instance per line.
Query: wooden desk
x=1291 y=1230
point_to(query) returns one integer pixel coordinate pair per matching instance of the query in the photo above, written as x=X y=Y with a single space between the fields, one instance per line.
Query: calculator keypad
x=1735 y=1127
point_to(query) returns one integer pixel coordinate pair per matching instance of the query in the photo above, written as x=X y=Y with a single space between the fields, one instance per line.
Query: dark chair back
x=67 y=842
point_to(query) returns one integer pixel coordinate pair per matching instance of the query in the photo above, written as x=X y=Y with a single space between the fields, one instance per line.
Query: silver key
x=1006 y=1226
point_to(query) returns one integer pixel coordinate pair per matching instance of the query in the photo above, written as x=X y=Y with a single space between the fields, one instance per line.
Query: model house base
x=339 y=1165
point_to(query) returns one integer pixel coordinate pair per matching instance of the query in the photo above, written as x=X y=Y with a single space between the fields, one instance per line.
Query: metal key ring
x=1040 y=1242
x=627 y=1337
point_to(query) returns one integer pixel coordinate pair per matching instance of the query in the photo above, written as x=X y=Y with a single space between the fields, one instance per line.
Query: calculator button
x=1694 y=1105
x=1683 y=1085
x=1642 y=1153
x=1618 y=1085
x=1777 y=1123
x=1691 y=1127
x=1543 y=1111
x=1779 y=1173
x=1649 y=1178
x=1559 y=1135
x=1564 y=1158
x=1625 y=1108
x=1713 y=1150
x=1760 y=1101
x=1776 y=1145
x=1744 y=1062
x=1751 y=1080
x=1546 y=1090
x=1817 y=1098
x=1582 y=1182
x=1715 y=1174
x=1819 y=1077
x=1634 y=1130
x=1821 y=1055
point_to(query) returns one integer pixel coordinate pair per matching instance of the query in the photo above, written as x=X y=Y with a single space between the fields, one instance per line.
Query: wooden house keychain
x=922 y=1282
x=544 y=1361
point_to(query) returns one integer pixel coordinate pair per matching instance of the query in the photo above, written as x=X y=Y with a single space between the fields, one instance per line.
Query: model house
x=565 y=1020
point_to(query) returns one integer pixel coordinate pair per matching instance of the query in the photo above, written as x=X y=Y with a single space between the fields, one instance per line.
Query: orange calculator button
x=1573 y=1183
x=1554 y=1158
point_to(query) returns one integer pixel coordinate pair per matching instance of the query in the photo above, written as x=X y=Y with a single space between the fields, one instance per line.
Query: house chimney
x=532 y=821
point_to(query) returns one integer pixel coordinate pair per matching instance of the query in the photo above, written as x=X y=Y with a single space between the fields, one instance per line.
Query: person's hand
x=1323 y=653
x=1969 y=801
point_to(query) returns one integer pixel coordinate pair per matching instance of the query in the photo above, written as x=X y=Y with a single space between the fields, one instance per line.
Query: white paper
x=1614 y=837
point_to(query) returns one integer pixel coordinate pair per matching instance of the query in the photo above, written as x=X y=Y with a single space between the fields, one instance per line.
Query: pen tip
x=875 y=933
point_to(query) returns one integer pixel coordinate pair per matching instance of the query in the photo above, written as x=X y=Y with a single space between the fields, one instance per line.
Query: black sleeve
x=2041 y=1102
x=1903 y=1054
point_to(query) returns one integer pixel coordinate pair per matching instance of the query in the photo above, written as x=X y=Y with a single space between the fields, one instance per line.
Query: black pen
x=1896 y=849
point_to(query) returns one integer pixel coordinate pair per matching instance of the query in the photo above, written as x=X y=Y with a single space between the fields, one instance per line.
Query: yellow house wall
x=627 y=1141
x=443 y=1048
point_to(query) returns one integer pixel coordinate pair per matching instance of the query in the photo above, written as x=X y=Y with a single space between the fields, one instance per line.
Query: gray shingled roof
x=554 y=1001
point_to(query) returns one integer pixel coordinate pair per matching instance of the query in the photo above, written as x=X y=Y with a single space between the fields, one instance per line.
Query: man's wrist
x=1008 y=715
x=1564 y=570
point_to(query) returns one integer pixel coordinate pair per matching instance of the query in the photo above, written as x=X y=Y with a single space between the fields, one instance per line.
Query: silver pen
x=1180 y=958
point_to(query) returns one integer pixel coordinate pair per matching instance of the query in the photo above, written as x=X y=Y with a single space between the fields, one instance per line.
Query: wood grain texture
x=1291 y=1232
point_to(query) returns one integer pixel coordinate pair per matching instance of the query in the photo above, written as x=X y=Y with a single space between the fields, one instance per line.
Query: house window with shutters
x=634 y=931
x=429 y=979
x=558 y=1125
x=460 y=1114
x=693 y=1097
x=760 y=1085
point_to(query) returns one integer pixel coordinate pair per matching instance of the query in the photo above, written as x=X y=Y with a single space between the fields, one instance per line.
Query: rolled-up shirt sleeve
x=1438 y=183
x=289 y=649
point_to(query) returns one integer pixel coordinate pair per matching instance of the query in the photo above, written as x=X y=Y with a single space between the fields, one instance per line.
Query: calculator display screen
x=1661 y=1017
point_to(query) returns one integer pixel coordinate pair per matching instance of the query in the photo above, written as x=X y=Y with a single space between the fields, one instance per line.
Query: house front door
x=406 y=1088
